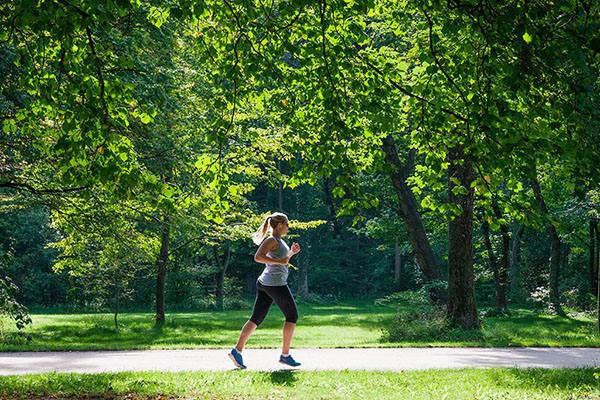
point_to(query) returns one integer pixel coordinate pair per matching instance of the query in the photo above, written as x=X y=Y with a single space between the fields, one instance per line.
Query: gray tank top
x=276 y=274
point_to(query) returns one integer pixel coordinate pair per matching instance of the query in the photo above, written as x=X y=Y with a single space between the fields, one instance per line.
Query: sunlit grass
x=348 y=324
x=497 y=383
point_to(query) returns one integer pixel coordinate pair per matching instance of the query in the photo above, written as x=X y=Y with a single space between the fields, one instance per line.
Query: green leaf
x=145 y=118
x=9 y=126
x=158 y=16
x=338 y=192
x=527 y=37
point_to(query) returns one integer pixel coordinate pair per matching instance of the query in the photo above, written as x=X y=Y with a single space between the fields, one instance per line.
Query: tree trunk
x=462 y=309
x=597 y=260
x=303 y=281
x=565 y=258
x=280 y=190
x=299 y=259
x=331 y=207
x=503 y=264
x=162 y=271
x=397 y=262
x=516 y=290
x=593 y=231
x=492 y=258
x=555 y=255
x=303 y=262
x=555 y=244
x=221 y=274
x=409 y=213
x=117 y=300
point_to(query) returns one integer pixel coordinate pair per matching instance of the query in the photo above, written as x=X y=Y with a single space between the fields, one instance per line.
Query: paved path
x=383 y=359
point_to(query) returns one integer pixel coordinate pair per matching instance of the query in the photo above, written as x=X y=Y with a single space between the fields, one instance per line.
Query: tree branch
x=28 y=187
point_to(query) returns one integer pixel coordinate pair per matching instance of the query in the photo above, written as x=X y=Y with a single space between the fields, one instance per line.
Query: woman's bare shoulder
x=270 y=243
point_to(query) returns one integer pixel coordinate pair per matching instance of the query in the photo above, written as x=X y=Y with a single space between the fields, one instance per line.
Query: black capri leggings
x=281 y=295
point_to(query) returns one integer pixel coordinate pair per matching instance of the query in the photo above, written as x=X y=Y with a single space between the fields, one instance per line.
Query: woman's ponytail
x=259 y=235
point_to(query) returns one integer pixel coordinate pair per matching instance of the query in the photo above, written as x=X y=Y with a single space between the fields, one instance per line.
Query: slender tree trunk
x=597 y=267
x=298 y=260
x=515 y=267
x=223 y=266
x=304 y=262
x=555 y=251
x=409 y=213
x=492 y=258
x=503 y=269
x=117 y=299
x=462 y=309
x=555 y=244
x=162 y=271
x=565 y=258
x=250 y=282
x=280 y=190
x=303 y=280
x=503 y=263
x=593 y=226
x=397 y=262
x=355 y=260
x=331 y=207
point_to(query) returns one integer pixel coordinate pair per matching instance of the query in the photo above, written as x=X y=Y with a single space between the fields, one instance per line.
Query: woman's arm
x=268 y=245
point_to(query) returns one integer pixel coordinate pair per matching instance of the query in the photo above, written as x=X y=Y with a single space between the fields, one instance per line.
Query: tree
x=9 y=306
x=100 y=244
x=338 y=74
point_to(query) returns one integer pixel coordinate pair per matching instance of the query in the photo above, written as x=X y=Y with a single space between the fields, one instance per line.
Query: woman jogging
x=271 y=286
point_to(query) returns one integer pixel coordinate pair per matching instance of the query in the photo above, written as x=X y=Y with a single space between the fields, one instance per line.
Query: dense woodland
x=448 y=144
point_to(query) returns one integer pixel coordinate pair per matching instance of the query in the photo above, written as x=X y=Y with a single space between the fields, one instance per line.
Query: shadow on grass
x=217 y=328
x=60 y=337
x=96 y=331
x=283 y=377
x=531 y=319
x=522 y=328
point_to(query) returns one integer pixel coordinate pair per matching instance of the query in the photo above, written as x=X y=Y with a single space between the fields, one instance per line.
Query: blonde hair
x=268 y=225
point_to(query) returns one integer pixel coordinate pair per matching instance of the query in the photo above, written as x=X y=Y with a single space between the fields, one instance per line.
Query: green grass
x=497 y=383
x=348 y=324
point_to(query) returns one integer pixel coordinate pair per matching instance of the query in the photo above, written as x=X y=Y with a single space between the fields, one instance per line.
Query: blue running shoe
x=288 y=360
x=237 y=359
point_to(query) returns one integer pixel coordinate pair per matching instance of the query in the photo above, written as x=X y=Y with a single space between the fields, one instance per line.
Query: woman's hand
x=295 y=249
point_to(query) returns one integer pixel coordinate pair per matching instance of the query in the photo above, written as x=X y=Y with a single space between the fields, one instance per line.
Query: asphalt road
x=382 y=359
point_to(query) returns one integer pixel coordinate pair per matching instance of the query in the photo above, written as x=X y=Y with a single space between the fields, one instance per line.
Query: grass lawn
x=503 y=383
x=348 y=324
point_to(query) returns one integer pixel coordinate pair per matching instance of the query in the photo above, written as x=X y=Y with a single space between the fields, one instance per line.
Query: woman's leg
x=285 y=301
x=247 y=330
x=288 y=333
x=261 y=308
